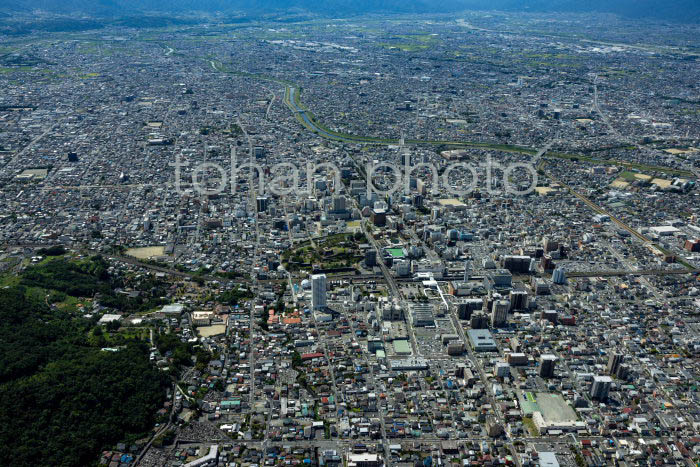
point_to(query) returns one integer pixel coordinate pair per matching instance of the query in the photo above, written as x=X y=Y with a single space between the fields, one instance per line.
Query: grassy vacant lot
x=410 y=42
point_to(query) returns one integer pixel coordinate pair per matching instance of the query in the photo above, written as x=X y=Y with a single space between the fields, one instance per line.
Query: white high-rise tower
x=318 y=291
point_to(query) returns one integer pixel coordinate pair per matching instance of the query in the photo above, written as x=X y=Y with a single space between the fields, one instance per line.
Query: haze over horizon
x=678 y=10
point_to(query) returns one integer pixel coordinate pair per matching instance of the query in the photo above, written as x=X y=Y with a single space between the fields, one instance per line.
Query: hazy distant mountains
x=678 y=10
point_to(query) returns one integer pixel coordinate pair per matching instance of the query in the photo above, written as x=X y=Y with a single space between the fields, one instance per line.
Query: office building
x=549 y=244
x=692 y=245
x=550 y=315
x=459 y=288
x=337 y=208
x=516 y=264
x=518 y=299
x=479 y=320
x=402 y=267
x=455 y=349
x=363 y=460
x=500 y=279
x=378 y=217
x=539 y=286
x=502 y=369
x=467 y=307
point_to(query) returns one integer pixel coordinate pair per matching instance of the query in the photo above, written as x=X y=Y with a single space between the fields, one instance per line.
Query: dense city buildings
x=397 y=241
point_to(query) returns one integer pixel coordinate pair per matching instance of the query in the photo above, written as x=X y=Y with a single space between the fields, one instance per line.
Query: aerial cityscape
x=374 y=240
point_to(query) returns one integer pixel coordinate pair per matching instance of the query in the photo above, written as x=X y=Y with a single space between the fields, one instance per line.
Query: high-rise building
x=502 y=369
x=392 y=312
x=402 y=267
x=318 y=291
x=623 y=371
x=539 y=286
x=550 y=315
x=516 y=263
x=518 y=299
x=467 y=307
x=692 y=245
x=549 y=244
x=261 y=204
x=378 y=217
x=559 y=276
x=479 y=320
x=371 y=258
x=614 y=362
x=546 y=263
x=500 y=279
x=338 y=204
x=463 y=311
x=455 y=349
x=547 y=363
x=601 y=387
x=499 y=313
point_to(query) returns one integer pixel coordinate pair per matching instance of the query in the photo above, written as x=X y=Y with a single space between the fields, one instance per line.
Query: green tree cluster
x=61 y=400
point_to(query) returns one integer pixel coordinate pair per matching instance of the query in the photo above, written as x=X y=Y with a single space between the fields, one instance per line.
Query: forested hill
x=63 y=399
